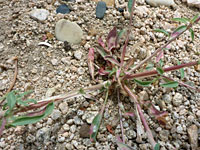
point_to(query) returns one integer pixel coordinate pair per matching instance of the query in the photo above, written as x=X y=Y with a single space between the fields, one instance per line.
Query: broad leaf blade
x=171 y=84
x=130 y=4
x=162 y=31
x=178 y=31
x=143 y=83
x=95 y=127
x=91 y=62
x=160 y=70
x=11 y=100
x=112 y=60
x=192 y=34
x=24 y=120
x=111 y=39
x=182 y=20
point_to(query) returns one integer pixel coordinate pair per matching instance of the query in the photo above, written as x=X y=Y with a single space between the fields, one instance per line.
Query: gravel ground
x=54 y=70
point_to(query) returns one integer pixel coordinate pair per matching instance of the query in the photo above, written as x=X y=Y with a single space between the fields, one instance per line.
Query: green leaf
x=101 y=51
x=95 y=127
x=157 y=146
x=179 y=30
x=198 y=62
x=81 y=91
x=181 y=70
x=160 y=70
x=23 y=94
x=170 y=84
x=192 y=34
x=143 y=83
x=24 y=120
x=25 y=102
x=149 y=66
x=112 y=72
x=195 y=18
x=130 y=3
x=183 y=20
x=162 y=31
x=11 y=100
x=161 y=63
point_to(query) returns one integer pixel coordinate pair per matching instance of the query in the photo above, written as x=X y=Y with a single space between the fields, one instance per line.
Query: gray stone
x=1 y=47
x=81 y=70
x=39 y=14
x=161 y=2
x=43 y=135
x=167 y=98
x=68 y=31
x=73 y=128
x=100 y=9
x=55 y=114
x=78 y=55
x=63 y=107
x=54 y=62
x=177 y=99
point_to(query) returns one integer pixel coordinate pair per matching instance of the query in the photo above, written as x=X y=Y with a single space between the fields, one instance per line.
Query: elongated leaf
x=143 y=83
x=195 y=18
x=3 y=124
x=119 y=35
x=181 y=70
x=150 y=66
x=112 y=72
x=24 y=120
x=103 y=72
x=157 y=146
x=171 y=84
x=95 y=127
x=162 y=31
x=182 y=20
x=101 y=51
x=91 y=62
x=160 y=55
x=112 y=60
x=160 y=70
x=178 y=31
x=192 y=34
x=111 y=39
x=23 y=94
x=11 y=100
x=101 y=43
x=130 y=4
x=121 y=145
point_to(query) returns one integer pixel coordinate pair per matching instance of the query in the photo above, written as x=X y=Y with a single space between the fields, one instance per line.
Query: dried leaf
x=91 y=62
x=109 y=128
x=112 y=38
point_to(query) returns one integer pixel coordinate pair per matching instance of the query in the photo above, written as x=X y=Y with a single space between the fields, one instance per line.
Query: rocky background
x=35 y=31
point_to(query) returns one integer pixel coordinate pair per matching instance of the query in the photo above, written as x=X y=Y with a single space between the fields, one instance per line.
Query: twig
x=120 y=114
x=15 y=75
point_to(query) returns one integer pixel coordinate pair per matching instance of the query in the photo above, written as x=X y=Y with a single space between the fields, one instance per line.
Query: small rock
x=43 y=135
x=179 y=129
x=1 y=47
x=161 y=2
x=73 y=128
x=193 y=136
x=167 y=98
x=177 y=99
x=84 y=131
x=143 y=95
x=50 y=92
x=142 y=11
x=68 y=31
x=78 y=55
x=81 y=70
x=63 y=9
x=55 y=114
x=54 y=62
x=39 y=14
x=66 y=127
x=63 y=107
x=100 y=9
x=120 y=9
x=68 y=146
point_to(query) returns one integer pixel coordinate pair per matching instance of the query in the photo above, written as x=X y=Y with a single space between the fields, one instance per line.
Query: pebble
x=193 y=136
x=167 y=98
x=63 y=107
x=100 y=9
x=39 y=14
x=73 y=128
x=54 y=62
x=63 y=9
x=66 y=127
x=1 y=47
x=68 y=31
x=81 y=70
x=55 y=114
x=43 y=135
x=78 y=55
x=161 y=2
x=177 y=99
x=84 y=131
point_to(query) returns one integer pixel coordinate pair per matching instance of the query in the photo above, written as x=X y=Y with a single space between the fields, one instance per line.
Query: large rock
x=160 y=2
x=68 y=31
x=39 y=14
x=100 y=9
